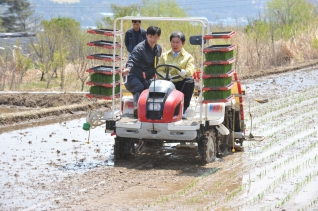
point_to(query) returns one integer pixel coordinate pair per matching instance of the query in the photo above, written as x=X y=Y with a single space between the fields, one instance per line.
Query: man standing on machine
x=134 y=35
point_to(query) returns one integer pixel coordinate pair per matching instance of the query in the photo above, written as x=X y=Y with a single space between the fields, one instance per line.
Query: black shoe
x=136 y=112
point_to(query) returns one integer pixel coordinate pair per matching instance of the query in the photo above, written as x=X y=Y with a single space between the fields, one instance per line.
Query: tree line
x=17 y=17
x=285 y=33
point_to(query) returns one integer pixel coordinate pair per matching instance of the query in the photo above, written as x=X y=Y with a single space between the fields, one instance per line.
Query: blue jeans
x=135 y=85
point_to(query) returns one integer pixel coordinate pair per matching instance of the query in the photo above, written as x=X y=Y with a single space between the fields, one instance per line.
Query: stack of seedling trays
x=104 y=80
x=104 y=44
x=218 y=72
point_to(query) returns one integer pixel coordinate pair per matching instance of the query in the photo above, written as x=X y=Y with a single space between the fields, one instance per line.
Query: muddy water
x=281 y=84
x=34 y=160
x=45 y=154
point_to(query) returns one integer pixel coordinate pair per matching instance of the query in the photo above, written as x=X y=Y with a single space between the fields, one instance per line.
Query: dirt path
x=22 y=110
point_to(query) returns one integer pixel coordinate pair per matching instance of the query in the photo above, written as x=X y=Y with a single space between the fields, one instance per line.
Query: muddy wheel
x=226 y=141
x=208 y=147
x=123 y=148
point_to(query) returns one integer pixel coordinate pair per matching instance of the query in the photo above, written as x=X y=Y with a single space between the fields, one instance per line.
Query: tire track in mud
x=135 y=183
x=210 y=190
x=191 y=192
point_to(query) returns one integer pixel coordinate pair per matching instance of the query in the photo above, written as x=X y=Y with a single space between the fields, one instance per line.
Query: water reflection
x=83 y=165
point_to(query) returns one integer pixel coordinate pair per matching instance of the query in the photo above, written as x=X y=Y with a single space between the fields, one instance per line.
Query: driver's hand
x=183 y=72
x=169 y=77
x=125 y=71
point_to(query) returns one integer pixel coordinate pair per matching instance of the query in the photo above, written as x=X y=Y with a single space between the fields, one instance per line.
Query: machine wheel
x=123 y=148
x=208 y=147
x=226 y=141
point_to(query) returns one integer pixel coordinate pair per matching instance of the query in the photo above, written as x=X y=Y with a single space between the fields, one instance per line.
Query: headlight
x=154 y=106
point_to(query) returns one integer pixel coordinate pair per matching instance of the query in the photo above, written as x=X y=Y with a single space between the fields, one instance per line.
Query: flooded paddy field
x=53 y=167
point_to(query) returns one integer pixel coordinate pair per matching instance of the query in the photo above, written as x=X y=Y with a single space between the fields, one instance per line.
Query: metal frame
x=205 y=29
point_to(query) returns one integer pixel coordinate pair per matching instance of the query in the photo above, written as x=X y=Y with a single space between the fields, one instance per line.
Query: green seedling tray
x=91 y=83
x=219 y=75
x=229 y=61
x=104 y=78
x=107 y=70
x=219 y=35
x=104 y=57
x=216 y=94
x=219 y=48
x=218 y=55
x=104 y=44
x=218 y=69
x=107 y=32
x=106 y=91
x=210 y=82
x=219 y=88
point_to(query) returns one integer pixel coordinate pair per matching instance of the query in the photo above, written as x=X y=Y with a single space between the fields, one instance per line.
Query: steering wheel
x=167 y=72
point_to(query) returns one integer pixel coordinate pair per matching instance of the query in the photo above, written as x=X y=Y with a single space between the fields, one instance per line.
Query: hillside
x=88 y=12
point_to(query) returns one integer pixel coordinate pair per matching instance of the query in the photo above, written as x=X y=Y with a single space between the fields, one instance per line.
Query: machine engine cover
x=161 y=103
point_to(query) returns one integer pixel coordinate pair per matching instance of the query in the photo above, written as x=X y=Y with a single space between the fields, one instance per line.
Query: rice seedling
x=299 y=186
x=216 y=95
x=284 y=176
x=218 y=69
x=233 y=193
x=102 y=78
x=99 y=90
x=287 y=135
x=286 y=148
x=216 y=82
x=219 y=55
x=218 y=184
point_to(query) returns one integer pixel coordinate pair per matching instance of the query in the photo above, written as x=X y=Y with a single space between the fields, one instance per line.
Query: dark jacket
x=142 y=59
x=130 y=40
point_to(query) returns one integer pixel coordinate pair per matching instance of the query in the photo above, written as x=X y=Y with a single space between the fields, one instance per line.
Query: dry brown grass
x=252 y=58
